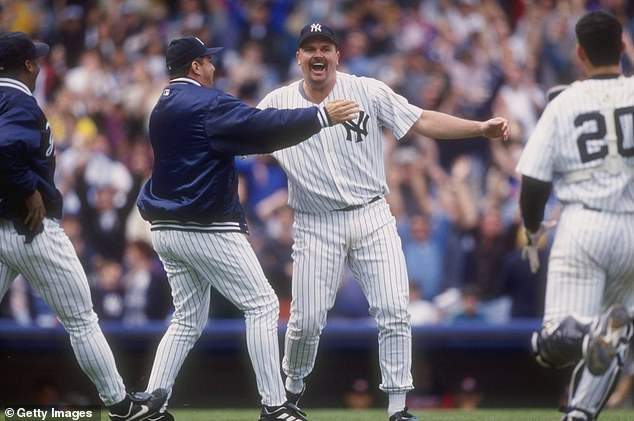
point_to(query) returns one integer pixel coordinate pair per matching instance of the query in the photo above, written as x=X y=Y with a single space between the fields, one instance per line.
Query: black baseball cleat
x=161 y=416
x=403 y=416
x=138 y=406
x=295 y=397
x=287 y=412
x=601 y=346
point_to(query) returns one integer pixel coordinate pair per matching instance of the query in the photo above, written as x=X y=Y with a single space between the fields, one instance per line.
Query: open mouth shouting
x=318 y=67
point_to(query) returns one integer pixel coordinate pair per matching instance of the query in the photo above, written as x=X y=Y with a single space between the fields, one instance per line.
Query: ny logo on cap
x=315 y=27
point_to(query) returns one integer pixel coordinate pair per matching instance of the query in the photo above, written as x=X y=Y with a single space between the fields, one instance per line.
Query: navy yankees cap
x=182 y=51
x=317 y=30
x=16 y=47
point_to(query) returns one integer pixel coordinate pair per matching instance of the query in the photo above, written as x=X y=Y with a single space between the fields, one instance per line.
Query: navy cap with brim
x=182 y=51
x=16 y=47
x=313 y=30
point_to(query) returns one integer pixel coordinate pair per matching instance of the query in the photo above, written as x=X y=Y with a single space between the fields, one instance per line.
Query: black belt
x=354 y=207
x=590 y=208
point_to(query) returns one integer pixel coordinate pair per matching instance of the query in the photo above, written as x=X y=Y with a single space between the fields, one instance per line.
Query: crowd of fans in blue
x=455 y=202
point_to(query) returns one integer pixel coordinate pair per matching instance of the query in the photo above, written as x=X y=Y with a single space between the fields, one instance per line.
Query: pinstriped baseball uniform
x=48 y=260
x=336 y=186
x=584 y=145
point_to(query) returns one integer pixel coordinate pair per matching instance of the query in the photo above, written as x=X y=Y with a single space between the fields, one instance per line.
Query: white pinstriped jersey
x=342 y=165
x=589 y=125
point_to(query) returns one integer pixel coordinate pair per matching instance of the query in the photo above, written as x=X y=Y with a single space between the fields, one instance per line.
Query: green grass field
x=380 y=415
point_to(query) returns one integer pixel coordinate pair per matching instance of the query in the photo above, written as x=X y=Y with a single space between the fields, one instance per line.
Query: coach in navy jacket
x=196 y=130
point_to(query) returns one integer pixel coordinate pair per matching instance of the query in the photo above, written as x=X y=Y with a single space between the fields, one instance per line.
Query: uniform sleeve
x=536 y=160
x=533 y=197
x=393 y=110
x=239 y=129
x=14 y=170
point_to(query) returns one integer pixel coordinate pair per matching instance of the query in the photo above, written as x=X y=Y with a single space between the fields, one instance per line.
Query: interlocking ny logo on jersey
x=360 y=127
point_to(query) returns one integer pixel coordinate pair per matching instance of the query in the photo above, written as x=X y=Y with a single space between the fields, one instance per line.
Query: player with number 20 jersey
x=583 y=147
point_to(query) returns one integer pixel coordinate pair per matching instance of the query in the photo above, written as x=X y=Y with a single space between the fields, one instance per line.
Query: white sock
x=396 y=402
x=294 y=386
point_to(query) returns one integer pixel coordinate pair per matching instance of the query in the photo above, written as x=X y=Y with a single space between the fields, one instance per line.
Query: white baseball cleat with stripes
x=286 y=412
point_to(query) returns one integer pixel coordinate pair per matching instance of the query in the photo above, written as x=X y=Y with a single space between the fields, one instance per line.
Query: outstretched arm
x=439 y=125
x=239 y=129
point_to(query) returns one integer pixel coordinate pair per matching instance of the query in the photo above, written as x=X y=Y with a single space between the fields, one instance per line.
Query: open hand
x=340 y=110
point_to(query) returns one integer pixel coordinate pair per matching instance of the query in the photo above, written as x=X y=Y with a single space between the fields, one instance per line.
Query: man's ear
x=29 y=66
x=194 y=67
x=581 y=54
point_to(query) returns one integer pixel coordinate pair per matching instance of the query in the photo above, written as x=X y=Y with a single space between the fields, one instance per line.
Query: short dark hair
x=600 y=35
x=183 y=70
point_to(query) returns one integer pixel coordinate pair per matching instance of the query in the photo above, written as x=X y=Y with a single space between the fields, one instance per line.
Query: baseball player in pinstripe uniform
x=337 y=187
x=31 y=240
x=583 y=146
x=198 y=226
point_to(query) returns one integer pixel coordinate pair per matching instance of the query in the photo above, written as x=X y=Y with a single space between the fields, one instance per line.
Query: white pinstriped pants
x=194 y=261
x=365 y=239
x=591 y=266
x=51 y=265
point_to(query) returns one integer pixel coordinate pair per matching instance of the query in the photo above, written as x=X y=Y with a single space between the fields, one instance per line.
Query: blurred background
x=474 y=302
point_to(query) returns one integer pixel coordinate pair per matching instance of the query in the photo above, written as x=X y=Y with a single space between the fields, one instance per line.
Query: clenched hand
x=496 y=128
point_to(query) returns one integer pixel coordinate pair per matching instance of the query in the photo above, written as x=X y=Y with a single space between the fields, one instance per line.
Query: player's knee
x=560 y=347
x=79 y=324
x=268 y=303
x=392 y=319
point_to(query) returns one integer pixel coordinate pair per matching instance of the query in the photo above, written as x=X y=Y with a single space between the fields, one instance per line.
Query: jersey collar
x=185 y=80
x=15 y=84
x=606 y=76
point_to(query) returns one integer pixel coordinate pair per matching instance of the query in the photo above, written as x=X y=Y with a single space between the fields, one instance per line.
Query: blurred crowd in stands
x=455 y=201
